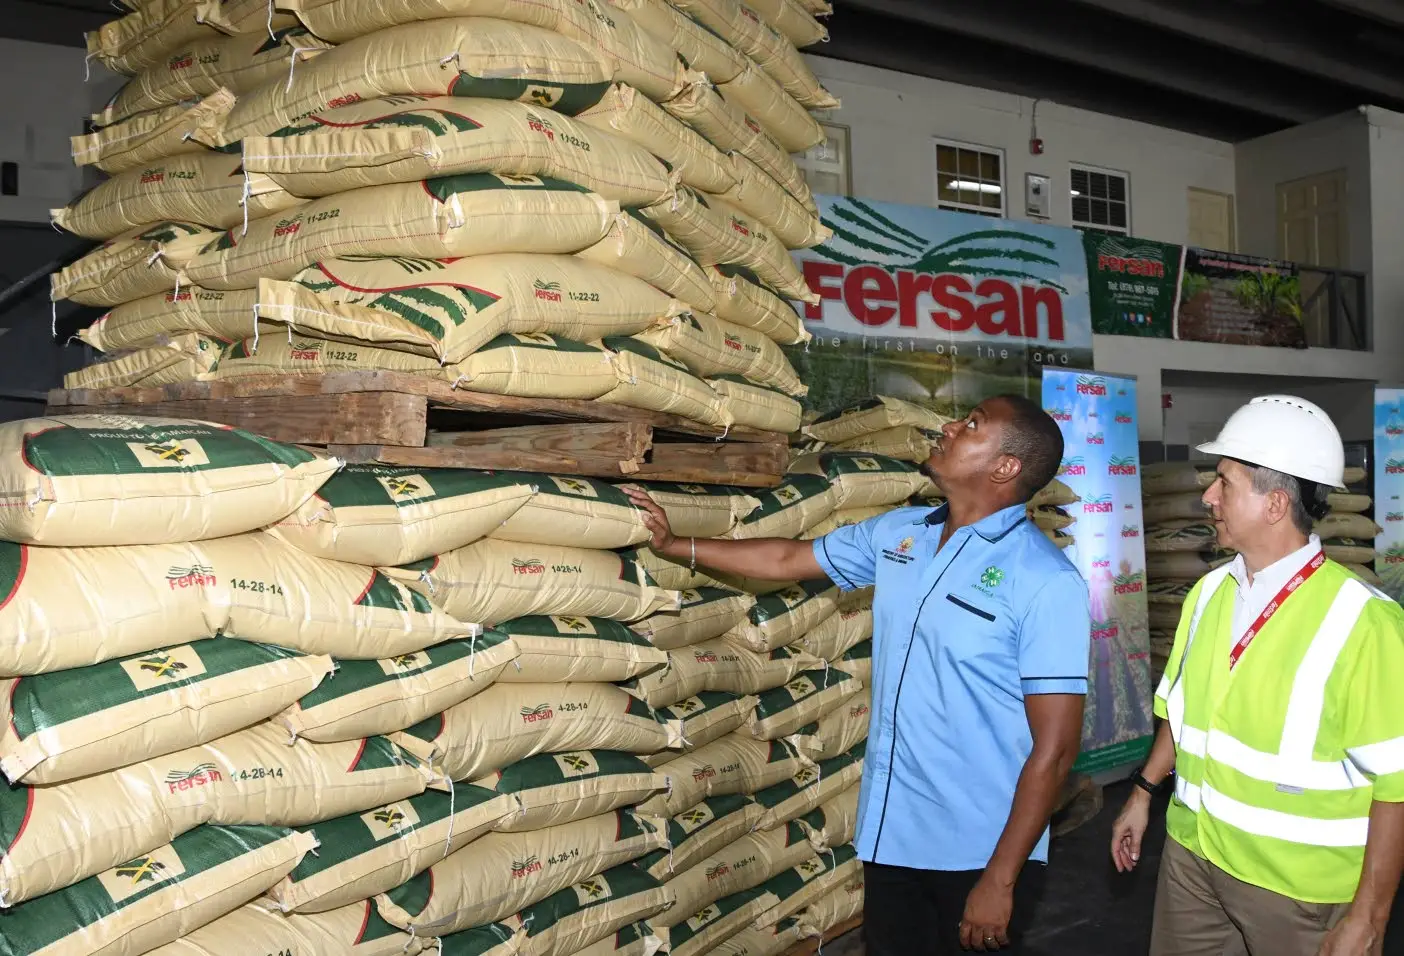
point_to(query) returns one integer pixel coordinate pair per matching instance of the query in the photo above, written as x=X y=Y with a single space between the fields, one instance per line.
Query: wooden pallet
x=399 y=419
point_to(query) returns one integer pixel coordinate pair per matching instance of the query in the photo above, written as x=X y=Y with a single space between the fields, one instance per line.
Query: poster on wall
x=1239 y=300
x=1097 y=415
x=1133 y=284
x=941 y=308
x=1389 y=489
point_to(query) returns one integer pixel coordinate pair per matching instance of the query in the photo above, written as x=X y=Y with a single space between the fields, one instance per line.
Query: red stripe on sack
x=369 y=584
x=365 y=922
x=402 y=288
x=359 y=752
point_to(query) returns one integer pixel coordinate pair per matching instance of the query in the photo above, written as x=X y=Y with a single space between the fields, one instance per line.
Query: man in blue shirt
x=980 y=650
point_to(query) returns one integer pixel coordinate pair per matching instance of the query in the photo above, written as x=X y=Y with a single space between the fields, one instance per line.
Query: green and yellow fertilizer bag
x=637 y=247
x=861 y=480
x=835 y=821
x=809 y=881
x=647 y=378
x=789 y=510
x=872 y=415
x=706 y=612
x=707 y=716
x=184 y=357
x=709 y=347
x=140 y=262
x=552 y=789
x=701 y=830
x=702 y=511
x=227 y=316
x=787 y=615
x=835 y=634
x=624 y=110
x=755 y=405
x=152 y=137
x=595 y=909
x=717 y=922
x=557 y=649
x=811 y=785
x=733 y=764
x=742 y=300
x=574 y=510
x=355 y=930
x=838 y=731
x=748 y=862
x=808 y=697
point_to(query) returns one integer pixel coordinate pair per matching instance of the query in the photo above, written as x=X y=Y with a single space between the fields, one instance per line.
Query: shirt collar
x=991 y=527
x=1277 y=574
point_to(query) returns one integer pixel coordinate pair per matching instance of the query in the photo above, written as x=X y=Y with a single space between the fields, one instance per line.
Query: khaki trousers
x=1202 y=911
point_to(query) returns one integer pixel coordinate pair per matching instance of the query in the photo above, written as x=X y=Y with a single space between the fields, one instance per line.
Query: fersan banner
x=1389 y=489
x=1097 y=415
x=1134 y=284
x=941 y=308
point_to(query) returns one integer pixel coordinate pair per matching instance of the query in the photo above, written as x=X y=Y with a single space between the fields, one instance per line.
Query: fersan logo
x=1123 y=419
x=1104 y=630
x=1122 y=465
x=306 y=351
x=704 y=657
x=1098 y=506
x=202 y=776
x=1393 y=466
x=1061 y=414
x=195 y=576
x=1096 y=438
x=1101 y=563
x=718 y=871
x=1394 y=516
x=346 y=100
x=1150 y=268
x=525 y=868
x=704 y=772
x=155 y=175
x=1394 y=556
x=1086 y=385
x=550 y=291
x=529 y=566
x=740 y=227
x=1128 y=584
x=537 y=124
x=535 y=715
x=1073 y=466
x=1130 y=531
x=181 y=61
x=287 y=227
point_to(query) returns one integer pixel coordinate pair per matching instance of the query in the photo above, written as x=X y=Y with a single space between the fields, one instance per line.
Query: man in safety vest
x=1283 y=707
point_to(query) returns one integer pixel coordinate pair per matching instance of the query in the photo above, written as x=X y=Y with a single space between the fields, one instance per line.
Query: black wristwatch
x=1139 y=779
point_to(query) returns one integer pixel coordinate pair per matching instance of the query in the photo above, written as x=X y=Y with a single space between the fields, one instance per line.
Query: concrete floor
x=1091 y=910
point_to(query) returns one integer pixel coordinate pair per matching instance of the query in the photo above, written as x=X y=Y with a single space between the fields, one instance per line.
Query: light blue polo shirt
x=959 y=639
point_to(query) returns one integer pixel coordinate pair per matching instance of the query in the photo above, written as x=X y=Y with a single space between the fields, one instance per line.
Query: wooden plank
x=388 y=418
x=440 y=394
x=810 y=947
x=726 y=463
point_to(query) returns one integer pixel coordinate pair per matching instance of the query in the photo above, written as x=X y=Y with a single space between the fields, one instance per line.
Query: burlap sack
x=468 y=215
x=75 y=723
x=770 y=941
x=810 y=881
x=834 y=908
x=1178 y=565
x=573 y=510
x=138 y=263
x=1054 y=493
x=1365 y=573
x=1349 y=503
x=464 y=56
x=1174 y=477
x=757 y=406
x=667 y=573
x=707 y=716
x=691 y=670
x=873 y=415
x=384 y=515
x=808 y=787
x=508 y=723
x=451 y=308
x=490 y=939
x=1347 y=525
x=1349 y=550
x=717 y=922
x=755 y=93
x=647 y=378
x=153 y=899
x=699 y=831
x=748 y=862
x=862 y=481
x=834 y=822
x=743 y=301
x=795 y=19
x=838 y=731
x=733 y=764
x=502 y=873
x=404 y=139
x=557 y=788
x=227 y=316
x=785 y=512
x=342 y=20
x=1168 y=591
x=557 y=649
x=858 y=661
x=150 y=137
x=493 y=581
x=366 y=698
x=786 y=616
x=364 y=854
x=113 y=479
x=714 y=231
x=184 y=357
x=842 y=519
x=810 y=696
x=763 y=198
x=638 y=247
x=730 y=130
x=632 y=115
x=1194 y=537
x=282 y=355
x=210 y=188
x=904 y=442
x=158 y=27
x=744 y=29
x=702 y=511
x=705 y=613
x=537 y=365
x=592 y=910
x=710 y=347
x=237 y=64
x=1050 y=518
x=698 y=46
x=355 y=930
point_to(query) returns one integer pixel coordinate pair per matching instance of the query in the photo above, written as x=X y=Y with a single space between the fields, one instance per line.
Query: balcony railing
x=1334 y=310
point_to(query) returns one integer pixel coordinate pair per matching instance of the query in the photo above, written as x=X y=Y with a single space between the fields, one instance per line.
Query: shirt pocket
x=969 y=608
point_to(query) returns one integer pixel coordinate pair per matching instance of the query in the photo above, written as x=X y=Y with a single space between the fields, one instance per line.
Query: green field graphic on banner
x=1389 y=489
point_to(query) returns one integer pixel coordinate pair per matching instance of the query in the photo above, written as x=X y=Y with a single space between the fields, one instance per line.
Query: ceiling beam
x=1381 y=11
x=40 y=21
x=1124 y=49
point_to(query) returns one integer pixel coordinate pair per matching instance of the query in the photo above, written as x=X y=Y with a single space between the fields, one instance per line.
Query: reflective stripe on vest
x=1293 y=766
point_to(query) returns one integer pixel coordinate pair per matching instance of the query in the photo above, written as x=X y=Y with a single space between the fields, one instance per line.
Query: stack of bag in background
x=1182 y=545
x=599 y=206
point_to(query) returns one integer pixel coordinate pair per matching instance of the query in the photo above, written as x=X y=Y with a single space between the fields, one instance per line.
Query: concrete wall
x=47 y=103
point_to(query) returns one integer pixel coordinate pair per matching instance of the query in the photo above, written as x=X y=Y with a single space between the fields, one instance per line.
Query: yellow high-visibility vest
x=1278 y=759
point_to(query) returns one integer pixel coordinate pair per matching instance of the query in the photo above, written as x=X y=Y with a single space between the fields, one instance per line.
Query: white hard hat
x=1284 y=433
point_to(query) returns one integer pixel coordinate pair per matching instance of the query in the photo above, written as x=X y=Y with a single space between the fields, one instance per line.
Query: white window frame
x=1121 y=174
x=843 y=168
x=953 y=206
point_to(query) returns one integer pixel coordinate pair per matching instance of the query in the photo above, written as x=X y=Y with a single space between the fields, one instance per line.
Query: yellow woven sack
x=89 y=720
x=701 y=830
x=810 y=696
x=757 y=406
x=692 y=669
x=904 y=442
x=111 y=479
x=744 y=29
x=465 y=56
x=702 y=49
x=566 y=786
x=710 y=347
x=833 y=908
x=151 y=137
x=748 y=862
x=705 y=613
x=733 y=764
x=492 y=581
x=769 y=941
x=211 y=188
x=787 y=615
x=354 y=930
x=729 y=129
x=762 y=197
x=743 y=301
x=403 y=139
x=136 y=264
x=303 y=355
x=140 y=39
x=861 y=481
x=184 y=357
x=632 y=115
x=787 y=511
x=449 y=308
x=646 y=378
x=667 y=573
x=573 y=510
x=227 y=316
x=837 y=732
x=1057 y=493
x=842 y=518
x=557 y=649
x=641 y=249
x=835 y=821
x=795 y=19
x=511 y=722
x=703 y=511
x=837 y=633
x=455 y=216
x=196 y=70
x=873 y=415
x=707 y=716
x=782 y=117
x=536 y=365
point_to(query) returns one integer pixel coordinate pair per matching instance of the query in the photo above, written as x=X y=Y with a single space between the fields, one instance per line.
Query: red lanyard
x=1298 y=579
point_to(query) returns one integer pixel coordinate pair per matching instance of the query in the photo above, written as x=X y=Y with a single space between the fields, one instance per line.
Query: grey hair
x=1266 y=481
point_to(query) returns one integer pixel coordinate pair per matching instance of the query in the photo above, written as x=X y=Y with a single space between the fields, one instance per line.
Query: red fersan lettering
x=548 y=295
x=193 y=580
x=305 y=355
x=869 y=292
x=815 y=272
x=346 y=100
x=1130 y=587
x=949 y=292
x=202 y=779
x=537 y=716
x=1136 y=267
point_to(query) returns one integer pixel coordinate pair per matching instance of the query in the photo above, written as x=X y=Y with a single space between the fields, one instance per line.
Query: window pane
x=969 y=167
x=945 y=188
x=946 y=159
x=1118 y=214
x=990 y=200
x=989 y=167
x=1079 y=181
x=1080 y=209
x=826 y=183
x=1117 y=190
x=1099 y=185
x=970 y=196
x=1100 y=216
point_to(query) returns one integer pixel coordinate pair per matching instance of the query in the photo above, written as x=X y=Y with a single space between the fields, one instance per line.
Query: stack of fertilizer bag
x=1182 y=545
x=557 y=199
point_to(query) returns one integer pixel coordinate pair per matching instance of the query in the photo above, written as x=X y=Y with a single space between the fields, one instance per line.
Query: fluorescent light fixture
x=1076 y=193
x=974 y=187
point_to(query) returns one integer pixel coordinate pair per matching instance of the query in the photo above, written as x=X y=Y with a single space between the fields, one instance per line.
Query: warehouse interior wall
x=47 y=104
